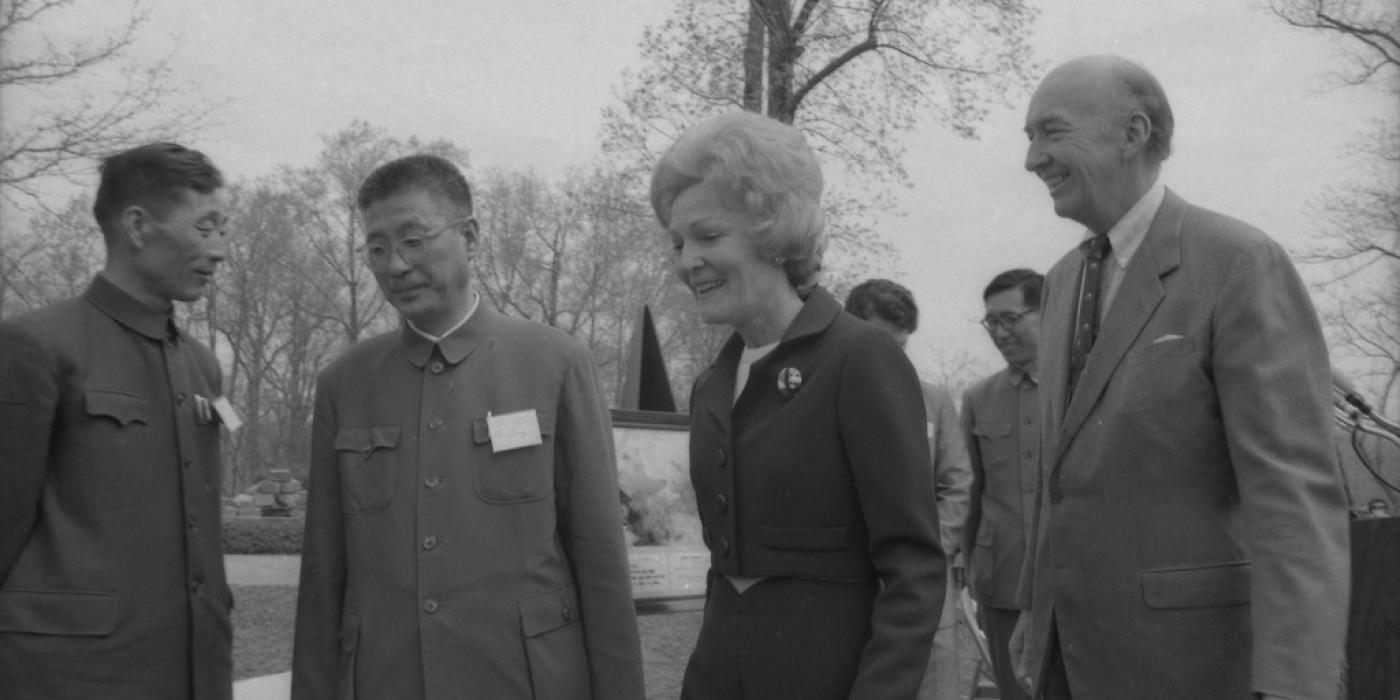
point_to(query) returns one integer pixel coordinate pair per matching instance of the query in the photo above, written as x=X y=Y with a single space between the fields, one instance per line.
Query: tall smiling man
x=462 y=535
x=1191 y=537
x=111 y=569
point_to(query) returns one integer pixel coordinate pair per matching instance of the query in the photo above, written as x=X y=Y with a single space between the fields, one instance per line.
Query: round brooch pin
x=789 y=381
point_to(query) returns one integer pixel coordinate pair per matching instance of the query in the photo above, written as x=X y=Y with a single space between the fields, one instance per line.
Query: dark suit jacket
x=435 y=567
x=1192 y=533
x=826 y=478
x=111 y=571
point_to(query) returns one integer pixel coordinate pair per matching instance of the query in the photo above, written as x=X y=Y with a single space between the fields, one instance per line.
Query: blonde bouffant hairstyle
x=764 y=168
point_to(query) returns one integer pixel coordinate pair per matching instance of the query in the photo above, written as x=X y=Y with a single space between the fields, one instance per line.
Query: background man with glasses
x=1000 y=417
x=462 y=533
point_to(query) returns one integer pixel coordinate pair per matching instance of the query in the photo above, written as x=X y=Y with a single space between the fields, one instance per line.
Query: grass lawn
x=264 y=617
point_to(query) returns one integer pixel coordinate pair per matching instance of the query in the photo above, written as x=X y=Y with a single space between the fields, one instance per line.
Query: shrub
x=263 y=535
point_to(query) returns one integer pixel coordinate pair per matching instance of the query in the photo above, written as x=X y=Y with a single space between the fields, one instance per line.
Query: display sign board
x=668 y=558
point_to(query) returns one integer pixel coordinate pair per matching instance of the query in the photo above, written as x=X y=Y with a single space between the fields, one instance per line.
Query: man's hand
x=1016 y=647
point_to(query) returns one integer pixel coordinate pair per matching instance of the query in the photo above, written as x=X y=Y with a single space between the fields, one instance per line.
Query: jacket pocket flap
x=76 y=613
x=125 y=408
x=549 y=611
x=991 y=429
x=367 y=440
x=1197 y=586
x=481 y=433
x=804 y=537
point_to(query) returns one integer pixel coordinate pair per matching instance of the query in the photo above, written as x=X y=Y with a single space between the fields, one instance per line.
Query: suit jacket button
x=568 y=614
x=430 y=606
x=436 y=367
x=719 y=458
x=1056 y=496
x=430 y=541
x=723 y=547
x=723 y=503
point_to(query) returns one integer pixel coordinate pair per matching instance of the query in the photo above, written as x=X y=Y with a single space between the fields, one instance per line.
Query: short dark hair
x=884 y=300
x=418 y=171
x=1029 y=281
x=153 y=176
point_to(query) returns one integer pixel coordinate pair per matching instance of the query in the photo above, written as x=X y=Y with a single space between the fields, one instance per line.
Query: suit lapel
x=1138 y=296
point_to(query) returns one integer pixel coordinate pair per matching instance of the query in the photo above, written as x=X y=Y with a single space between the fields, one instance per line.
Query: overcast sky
x=520 y=83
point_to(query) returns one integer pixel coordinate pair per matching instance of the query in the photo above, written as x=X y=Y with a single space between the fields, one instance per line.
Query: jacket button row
x=723 y=547
x=432 y=482
x=430 y=606
x=723 y=503
x=430 y=541
x=568 y=614
x=435 y=424
x=719 y=458
x=435 y=368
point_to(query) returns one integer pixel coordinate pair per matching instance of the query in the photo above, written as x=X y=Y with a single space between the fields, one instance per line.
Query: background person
x=1192 y=530
x=111 y=568
x=891 y=306
x=807 y=445
x=462 y=532
x=1001 y=419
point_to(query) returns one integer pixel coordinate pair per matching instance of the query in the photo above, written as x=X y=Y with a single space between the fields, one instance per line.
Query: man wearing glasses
x=1001 y=419
x=462 y=536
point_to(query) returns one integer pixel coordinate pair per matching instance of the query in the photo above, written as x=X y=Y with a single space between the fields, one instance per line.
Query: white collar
x=1127 y=235
x=476 y=299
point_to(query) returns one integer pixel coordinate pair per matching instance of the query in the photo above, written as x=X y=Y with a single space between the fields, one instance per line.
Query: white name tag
x=227 y=414
x=512 y=431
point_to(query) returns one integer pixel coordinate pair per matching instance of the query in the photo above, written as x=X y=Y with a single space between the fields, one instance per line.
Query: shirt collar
x=1021 y=378
x=457 y=344
x=476 y=299
x=1127 y=235
x=126 y=310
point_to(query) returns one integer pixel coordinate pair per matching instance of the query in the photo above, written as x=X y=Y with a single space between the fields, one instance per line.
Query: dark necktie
x=1086 y=316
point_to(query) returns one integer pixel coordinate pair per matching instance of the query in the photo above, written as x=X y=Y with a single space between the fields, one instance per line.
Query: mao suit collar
x=1138 y=297
x=126 y=310
x=457 y=345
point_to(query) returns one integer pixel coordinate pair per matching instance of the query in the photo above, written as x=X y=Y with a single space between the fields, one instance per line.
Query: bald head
x=1099 y=129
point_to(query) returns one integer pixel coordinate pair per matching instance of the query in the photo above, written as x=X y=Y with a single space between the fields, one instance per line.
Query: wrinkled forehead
x=1075 y=91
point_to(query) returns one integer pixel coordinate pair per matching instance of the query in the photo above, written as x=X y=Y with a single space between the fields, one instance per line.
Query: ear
x=471 y=233
x=1139 y=131
x=135 y=224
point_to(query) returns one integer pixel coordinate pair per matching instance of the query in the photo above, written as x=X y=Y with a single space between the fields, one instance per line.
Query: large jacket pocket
x=554 y=646
x=75 y=613
x=368 y=458
x=516 y=475
x=1197 y=586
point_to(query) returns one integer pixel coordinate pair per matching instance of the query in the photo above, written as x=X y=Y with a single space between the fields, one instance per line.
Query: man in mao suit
x=891 y=306
x=1191 y=531
x=1001 y=417
x=111 y=566
x=462 y=537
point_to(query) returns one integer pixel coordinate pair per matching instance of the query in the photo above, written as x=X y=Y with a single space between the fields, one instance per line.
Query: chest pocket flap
x=367 y=440
x=123 y=408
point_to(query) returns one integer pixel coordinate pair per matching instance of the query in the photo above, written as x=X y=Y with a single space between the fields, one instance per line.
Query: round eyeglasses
x=411 y=247
x=1005 y=321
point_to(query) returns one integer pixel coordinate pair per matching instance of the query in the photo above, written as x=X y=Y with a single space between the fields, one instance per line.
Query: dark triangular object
x=647 y=387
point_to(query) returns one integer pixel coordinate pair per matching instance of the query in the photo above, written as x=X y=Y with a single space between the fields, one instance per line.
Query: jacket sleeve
x=881 y=416
x=29 y=396
x=321 y=594
x=590 y=528
x=951 y=472
x=978 y=483
x=1273 y=382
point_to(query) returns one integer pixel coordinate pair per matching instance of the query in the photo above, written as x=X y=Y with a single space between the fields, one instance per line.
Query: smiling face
x=179 y=249
x=433 y=291
x=716 y=258
x=1018 y=342
x=1081 y=146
